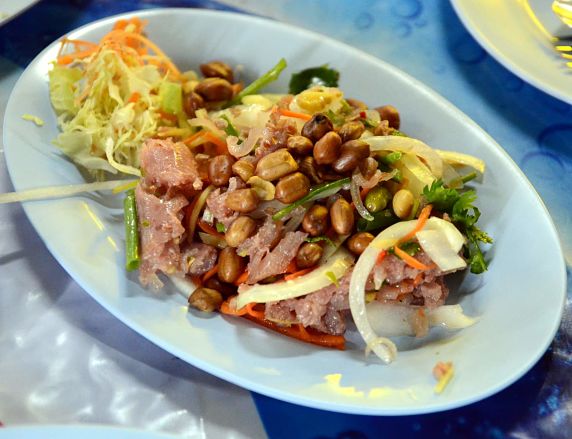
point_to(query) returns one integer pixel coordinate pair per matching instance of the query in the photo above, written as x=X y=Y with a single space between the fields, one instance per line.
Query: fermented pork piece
x=216 y=199
x=160 y=229
x=168 y=164
x=407 y=285
x=198 y=258
x=265 y=263
x=321 y=310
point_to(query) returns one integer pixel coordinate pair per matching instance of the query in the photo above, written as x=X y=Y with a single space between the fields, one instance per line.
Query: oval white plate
x=519 y=300
x=507 y=31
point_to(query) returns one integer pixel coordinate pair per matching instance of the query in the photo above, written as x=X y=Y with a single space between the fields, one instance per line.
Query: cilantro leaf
x=440 y=197
x=313 y=76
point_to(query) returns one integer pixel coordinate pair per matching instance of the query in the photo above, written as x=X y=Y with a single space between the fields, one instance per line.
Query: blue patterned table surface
x=427 y=40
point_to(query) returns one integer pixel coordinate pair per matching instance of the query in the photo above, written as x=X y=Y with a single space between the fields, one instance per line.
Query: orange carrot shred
x=226 y=309
x=410 y=260
x=242 y=278
x=220 y=144
x=298 y=273
x=135 y=96
x=194 y=137
x=289 y=113
x=210 y=273
x=207 y=228
x=254 y=313
x=423 y=217
x=380 y=257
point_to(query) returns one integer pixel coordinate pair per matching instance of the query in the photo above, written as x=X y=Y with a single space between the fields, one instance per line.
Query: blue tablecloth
x=427 y=40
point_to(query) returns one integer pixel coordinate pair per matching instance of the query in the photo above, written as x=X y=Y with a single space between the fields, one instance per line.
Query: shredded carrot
x=220 y=144
x=423 y=217
x=313 y=337
x=254 y=313
x=295 y=331
x=207 y=228
x=168 y=116
x=242 y=278
x=194 y=137
x=410 y=260
x=210 y=273
x=418 y=279
x=197 y=281
x=135 y=96
x=298 y=273
x=289 y=113
x=68 y=59
x=226 y=309
x=380 y=257
x=292 y=267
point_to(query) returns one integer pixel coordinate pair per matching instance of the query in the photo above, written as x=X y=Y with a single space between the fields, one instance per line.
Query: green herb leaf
x=220 y=228
x=320 y=238
x=254 y=87
x=313 y=76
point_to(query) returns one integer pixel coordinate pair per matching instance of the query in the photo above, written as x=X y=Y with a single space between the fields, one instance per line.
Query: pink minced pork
x=216 y=200
x=321 y=310
x=198 y=258
x=160 y=230
x=410 y=286
x=169 y=164
x=265 y=262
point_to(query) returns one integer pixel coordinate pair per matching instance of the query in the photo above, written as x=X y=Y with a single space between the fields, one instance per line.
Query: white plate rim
x=266 y=390
x=535 y=80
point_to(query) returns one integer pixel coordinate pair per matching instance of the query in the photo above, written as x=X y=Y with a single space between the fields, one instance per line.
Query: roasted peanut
x=327 y=149
x=359 y=242
x=309 y=254
x=214 y=89
x=220 y=169
x=390 y=114
x=292 y=187
x=383 y=129
x=351 y=130
x=316 y=220
x=241 y=228
x=225 y=289
x=192 y=102
x=308 y=167
x=317 y=127
x=356 y=103
x=403 y=203
x=242 y=200
x=351 y=154
x=264 y=189
x=368 y=167
x=230 y=265
x=300 y=145
x=275 y=165
x=342 y=216
x=243 y=169
x=217 y=69
x=205 y=299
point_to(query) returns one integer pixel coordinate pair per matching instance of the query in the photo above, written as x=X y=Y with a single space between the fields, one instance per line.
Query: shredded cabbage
x=95 y=114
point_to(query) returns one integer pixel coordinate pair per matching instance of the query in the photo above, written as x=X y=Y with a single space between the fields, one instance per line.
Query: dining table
x=66 y=360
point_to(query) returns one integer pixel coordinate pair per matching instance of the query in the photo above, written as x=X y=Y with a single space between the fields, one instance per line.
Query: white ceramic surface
x=76 y=432
x=519 y=299
x=11 y=8
x=505 y=29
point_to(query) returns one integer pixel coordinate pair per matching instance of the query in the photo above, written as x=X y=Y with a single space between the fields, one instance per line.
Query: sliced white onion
x=442 y=242
x=397 y=320
x=408 y=145
x=194 y=216
x=451 y=177
x=415 y=173
x=383 y=348
x=240 y=150
x=356 y=198
x=457 y=158
x=208 y=125
x=297 y=216
x=313 y=281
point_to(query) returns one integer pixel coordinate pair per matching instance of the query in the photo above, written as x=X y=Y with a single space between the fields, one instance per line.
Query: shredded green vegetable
x=257 y=85
x=315 y=192
x=132 y=259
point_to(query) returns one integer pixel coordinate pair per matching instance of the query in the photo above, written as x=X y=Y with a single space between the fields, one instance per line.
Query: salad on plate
x=299 y=211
